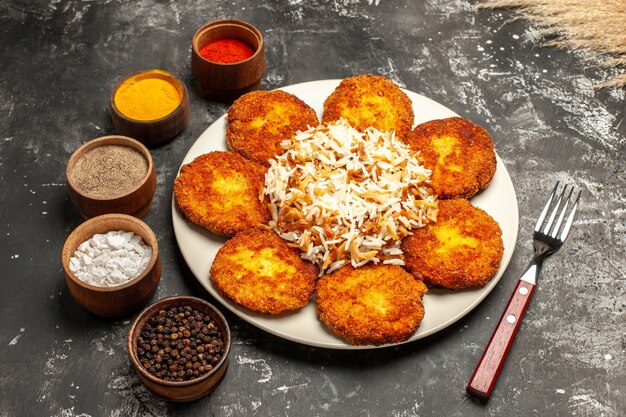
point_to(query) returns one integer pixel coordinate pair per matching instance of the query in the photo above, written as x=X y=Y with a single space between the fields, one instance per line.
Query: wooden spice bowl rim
x=216 y=24
x=176 y=301
x=104 y=141
x=145 y=74
x=98 y=224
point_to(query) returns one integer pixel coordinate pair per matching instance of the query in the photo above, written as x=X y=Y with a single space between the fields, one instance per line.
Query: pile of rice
x=344 y=196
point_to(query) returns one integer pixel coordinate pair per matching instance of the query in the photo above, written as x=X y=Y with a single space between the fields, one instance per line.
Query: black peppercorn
x=179 y=344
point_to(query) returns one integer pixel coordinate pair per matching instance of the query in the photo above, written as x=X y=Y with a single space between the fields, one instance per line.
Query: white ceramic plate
x=442 y=307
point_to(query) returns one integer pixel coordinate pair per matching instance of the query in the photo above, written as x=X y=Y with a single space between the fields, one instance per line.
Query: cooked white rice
x=343 y=196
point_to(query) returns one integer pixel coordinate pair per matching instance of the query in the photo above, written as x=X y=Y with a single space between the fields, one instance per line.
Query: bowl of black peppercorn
x=179 y=347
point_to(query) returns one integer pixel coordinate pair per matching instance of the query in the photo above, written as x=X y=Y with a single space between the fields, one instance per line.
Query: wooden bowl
x=121 y=300
x=156 y=131
x=136 y=201
x=226 y=82
x=185 y=390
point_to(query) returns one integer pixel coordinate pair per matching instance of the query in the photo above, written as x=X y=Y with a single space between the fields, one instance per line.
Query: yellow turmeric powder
x=148 y=96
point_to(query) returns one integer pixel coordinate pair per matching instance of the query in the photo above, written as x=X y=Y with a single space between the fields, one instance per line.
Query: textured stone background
x=59 y=62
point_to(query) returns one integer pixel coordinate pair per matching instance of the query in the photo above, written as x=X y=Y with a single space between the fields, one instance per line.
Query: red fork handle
x=484 y=378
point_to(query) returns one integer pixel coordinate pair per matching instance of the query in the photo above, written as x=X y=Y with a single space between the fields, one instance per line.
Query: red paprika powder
x=226 y=51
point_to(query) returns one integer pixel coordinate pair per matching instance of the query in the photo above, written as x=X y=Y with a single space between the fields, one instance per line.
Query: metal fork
x=547 y=239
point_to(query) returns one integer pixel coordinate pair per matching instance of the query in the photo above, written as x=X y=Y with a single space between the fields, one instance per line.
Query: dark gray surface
x=59 y=62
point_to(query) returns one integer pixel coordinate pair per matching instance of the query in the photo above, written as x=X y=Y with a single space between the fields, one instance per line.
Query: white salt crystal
x=134 y=240
x=116 y=242
x=83 y=247
x=98 y=240
x=118 y=253
x=74 y=265
x=117 y=277
x=110 y=259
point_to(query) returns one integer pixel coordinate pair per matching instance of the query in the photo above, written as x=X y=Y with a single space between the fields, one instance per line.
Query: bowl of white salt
x=112 y=264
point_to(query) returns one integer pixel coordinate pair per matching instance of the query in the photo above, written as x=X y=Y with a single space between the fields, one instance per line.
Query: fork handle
x=484 y=378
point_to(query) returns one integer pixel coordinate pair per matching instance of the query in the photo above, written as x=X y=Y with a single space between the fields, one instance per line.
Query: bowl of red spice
x=227 y=59
x=151 y=106
x=179 y=347
x=111 y=174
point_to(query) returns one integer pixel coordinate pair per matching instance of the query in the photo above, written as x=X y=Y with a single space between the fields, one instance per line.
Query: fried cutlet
x=220 y=192
x=260 y=271
x=370 y=100
x=459 y=153
x=462 y=249
x=372 y=304
x=260 y=120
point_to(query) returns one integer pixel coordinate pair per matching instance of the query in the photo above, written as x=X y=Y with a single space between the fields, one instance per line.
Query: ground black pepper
x=179 y=344
x=109 y=171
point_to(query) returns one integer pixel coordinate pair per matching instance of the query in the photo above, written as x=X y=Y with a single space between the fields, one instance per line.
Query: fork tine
x=570 y=219
x=546 y=230
x=542 y=216
x=557 y=226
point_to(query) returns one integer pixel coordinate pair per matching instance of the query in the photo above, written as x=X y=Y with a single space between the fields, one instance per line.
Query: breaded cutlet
x=260 y=271
x=220 y=191
x=370 y=100
x=260 y=120
x=372 y=304
x=459 y=153
x=463 y=249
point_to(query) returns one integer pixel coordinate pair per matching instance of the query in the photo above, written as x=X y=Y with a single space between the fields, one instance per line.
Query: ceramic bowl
x=121 y=300
x=185 y=390
x=156 y=131
x=226 y=82
x=136 y=201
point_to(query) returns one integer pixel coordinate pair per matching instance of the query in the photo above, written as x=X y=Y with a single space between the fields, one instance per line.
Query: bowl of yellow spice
x=151 y=106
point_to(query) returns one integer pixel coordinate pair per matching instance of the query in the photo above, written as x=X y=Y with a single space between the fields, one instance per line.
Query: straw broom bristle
x=595 y=26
